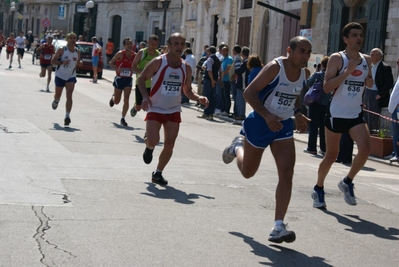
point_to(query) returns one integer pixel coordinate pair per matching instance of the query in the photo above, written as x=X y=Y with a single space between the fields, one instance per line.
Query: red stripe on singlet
x=159 y=82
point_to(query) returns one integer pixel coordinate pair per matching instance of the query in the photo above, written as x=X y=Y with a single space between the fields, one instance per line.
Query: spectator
x=30 y=39
x=317 y=112
x=190 y=59
x=109 y=51
x=255 y=66
x=393 y=107
x=95 y=55
x=199 y=75
x=100 y=41
x=377 y=97
x=237 y=60
x=242 y=81
x=227 y=64
x=210 y=80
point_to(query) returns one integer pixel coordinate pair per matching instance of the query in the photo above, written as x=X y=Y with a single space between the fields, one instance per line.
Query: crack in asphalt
x=43 y=244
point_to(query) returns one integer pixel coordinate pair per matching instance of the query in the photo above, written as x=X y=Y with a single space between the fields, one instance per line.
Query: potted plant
x=381 y=143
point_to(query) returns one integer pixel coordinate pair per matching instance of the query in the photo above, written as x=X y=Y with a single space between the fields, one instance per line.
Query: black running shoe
x=111 y=102
x=123 y=122
x=147 y=155
x=67 y=121
x=157 y=178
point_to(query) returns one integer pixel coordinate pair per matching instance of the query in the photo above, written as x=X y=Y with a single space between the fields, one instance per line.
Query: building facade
x=267 y=30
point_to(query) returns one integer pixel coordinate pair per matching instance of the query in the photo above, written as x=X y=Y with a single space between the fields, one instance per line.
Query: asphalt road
x=82 y=196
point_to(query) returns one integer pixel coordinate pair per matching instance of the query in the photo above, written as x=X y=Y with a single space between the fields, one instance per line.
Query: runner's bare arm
x=136 y=61
x=188 y=90
x=117 y=56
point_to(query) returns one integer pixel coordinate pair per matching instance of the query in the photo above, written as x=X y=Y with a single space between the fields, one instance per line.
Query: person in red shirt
x=1 y=41
x=46 y=52
x=122 y=64
x=10 y=47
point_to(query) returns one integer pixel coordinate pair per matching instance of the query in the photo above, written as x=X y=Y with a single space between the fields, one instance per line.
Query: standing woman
x=109 y=50
x=317 y=113
x=95 y=56
x=254 y=65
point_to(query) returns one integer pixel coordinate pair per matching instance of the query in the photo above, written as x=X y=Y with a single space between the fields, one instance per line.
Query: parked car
x=85 y=49
x=85 y=55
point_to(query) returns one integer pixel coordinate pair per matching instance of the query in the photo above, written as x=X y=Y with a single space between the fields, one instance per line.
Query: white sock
x=278 y=223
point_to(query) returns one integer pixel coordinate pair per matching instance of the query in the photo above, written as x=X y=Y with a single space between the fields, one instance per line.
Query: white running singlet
x=66 y=72
x=166 y=87
x=347 y=100
x=279 y=96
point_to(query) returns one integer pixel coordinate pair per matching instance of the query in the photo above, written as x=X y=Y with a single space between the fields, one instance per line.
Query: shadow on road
x=361 y=226
x=281 y=256
x=117 y=125
x=169 y=192
x=66 y=129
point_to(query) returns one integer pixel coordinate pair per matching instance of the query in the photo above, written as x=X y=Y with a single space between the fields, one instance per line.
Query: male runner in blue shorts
x=274 y=96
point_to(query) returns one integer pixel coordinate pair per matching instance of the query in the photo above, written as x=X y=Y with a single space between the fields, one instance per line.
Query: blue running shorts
x=258 y=134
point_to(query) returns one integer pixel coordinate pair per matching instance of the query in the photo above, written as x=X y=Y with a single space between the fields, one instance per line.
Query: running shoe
x=111 y=101
x=67 y=121
x=157 y=178
x=280 y=234
x=123 y=122
x=47 y=89
x=229 y=152
x=310 y=152
x=10 y=67
x=19 y=66
x=133 y=111
x=147 y=155
x=54 y=105
x=318 y=199
x=347 y=189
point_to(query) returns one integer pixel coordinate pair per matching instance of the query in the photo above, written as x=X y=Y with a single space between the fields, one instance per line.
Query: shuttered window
x=244 y=31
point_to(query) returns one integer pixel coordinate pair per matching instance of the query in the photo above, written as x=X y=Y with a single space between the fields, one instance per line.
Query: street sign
x=20 y=16
x=45 y=22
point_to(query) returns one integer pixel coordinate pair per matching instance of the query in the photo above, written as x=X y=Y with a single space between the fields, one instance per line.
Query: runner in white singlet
x=274 y=96
x=170 y=77
x=347 y=74
x=66 y=58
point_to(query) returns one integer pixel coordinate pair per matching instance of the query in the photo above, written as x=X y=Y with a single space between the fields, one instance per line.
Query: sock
x=235 y=149
x=278 y=223
x=56 y=101
x=347 y=180
x=316 y=187
x=123 y=117
x=158 y=171
x=67 y=115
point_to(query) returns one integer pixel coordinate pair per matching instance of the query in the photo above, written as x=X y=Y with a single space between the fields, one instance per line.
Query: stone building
x=267 y=31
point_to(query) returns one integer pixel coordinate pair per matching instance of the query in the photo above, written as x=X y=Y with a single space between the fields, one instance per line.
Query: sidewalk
x=109 y=75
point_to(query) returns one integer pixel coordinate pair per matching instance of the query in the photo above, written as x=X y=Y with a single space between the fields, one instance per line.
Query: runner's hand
x=273 y=122
x=301 y=122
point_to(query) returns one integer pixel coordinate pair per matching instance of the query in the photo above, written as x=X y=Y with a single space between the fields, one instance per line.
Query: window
x=247 y=4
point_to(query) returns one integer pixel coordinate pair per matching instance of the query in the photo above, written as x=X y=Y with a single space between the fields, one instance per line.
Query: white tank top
x=66 y=72
x=347 y=99
x=166 y=88
x=279 y=96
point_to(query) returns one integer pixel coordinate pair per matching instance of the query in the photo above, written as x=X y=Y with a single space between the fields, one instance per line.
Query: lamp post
x=12 y=10
x=89 y=5
x=165 y=5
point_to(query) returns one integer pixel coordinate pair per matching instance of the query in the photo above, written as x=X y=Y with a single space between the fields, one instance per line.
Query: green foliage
x=383 y=133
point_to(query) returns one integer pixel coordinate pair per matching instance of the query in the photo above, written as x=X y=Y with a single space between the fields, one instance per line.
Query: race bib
x=352 y=88
x=47 y=56
x=125 y=73
x=170 y=88
x=283 y=101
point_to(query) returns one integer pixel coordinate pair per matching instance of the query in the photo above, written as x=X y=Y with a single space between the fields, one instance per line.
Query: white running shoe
x=229 y=152
x=318 y=199
x=280 y=234
x=347 y=189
